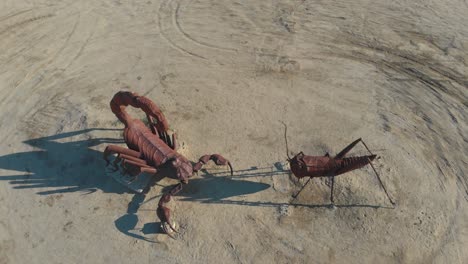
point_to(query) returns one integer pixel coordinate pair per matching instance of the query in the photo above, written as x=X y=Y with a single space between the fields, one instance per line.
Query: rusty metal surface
x=150 y=148
x=325 y=166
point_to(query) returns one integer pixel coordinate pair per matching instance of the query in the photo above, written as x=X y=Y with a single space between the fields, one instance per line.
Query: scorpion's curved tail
x=123 y=99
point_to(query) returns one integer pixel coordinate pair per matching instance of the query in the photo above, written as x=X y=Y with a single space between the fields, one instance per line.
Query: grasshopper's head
x=298 y=165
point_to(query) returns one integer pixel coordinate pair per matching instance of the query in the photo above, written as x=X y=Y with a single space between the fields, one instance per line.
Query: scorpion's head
x=182 y=167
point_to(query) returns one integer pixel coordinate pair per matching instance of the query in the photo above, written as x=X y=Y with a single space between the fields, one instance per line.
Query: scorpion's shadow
x=214 y=186
x=206 y=188
x=64 y=166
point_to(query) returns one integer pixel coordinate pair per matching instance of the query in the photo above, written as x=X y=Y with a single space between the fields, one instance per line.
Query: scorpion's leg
x=136 y=168
x=152 y=125
x=119 y=150
x=127 y=157
x=121 y=159
x=141 y=167
x=164 y=213
x=218 y=160
x=170 y=141
x=174 y=142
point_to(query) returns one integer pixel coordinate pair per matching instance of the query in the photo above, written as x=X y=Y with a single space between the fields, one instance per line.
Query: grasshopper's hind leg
x=347 y=149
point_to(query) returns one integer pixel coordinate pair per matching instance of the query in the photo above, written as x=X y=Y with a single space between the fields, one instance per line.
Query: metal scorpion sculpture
x=152 y=148
x=325 y=166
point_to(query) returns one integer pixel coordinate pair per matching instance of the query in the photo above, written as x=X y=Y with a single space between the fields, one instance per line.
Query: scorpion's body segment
x=151 y=148
x=139 y=138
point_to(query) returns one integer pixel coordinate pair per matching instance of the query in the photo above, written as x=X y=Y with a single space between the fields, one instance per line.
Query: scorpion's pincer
x=169 y=229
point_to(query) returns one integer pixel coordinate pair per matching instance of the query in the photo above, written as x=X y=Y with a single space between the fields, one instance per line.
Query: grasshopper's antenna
x=286 y=139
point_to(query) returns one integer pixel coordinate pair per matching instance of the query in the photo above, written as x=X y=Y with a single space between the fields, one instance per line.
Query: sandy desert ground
x=226 y=73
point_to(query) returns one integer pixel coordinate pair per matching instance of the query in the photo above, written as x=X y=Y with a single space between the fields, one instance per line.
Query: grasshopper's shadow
x=61 y=167
x=213 y=189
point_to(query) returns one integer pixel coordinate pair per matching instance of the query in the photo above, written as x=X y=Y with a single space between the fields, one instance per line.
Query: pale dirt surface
x=225 y=74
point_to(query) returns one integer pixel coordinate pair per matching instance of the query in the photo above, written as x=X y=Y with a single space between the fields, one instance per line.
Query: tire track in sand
x=168 y=29
x=169 y=17
x=171 y=29
x=190 y=38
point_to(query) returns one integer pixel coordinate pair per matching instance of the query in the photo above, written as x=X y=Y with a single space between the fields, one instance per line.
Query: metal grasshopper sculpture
x=325 y=166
